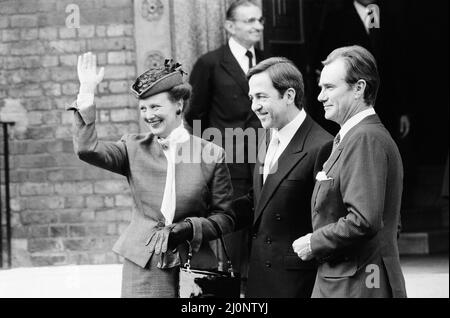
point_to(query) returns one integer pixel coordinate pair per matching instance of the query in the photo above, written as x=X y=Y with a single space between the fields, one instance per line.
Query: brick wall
x=63 y=210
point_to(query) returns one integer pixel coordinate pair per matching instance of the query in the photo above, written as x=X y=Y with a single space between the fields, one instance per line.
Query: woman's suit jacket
x=203 y=186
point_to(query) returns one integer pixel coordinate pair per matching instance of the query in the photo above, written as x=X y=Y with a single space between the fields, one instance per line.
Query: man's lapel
x=333 y=158
x=259 y=166
x=370 y=120
x=232 y=67
x=288 y=159
x=326 y=168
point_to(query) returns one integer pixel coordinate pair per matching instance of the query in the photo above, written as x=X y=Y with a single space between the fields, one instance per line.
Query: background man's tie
x=250 y=59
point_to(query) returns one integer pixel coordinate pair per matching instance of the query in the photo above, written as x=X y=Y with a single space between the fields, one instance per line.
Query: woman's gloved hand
x=87 y=73
x=181 y=232
x=170 y=236
x=157 y=242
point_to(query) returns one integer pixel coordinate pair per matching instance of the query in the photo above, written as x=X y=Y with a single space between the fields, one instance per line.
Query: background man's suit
x=220 y=99
x=281 y=215
x=344 y=27
x=356 y=213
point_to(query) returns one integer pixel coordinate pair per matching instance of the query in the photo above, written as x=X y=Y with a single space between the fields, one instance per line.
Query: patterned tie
x=270 y=156
x=250 y=59
x=336 y=142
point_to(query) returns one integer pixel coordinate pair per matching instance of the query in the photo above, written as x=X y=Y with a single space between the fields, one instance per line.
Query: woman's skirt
x=149 y=282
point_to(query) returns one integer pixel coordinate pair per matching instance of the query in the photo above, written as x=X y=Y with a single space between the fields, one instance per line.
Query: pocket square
x=322 y=176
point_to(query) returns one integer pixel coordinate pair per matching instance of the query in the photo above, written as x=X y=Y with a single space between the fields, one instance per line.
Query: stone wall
x=63 y=210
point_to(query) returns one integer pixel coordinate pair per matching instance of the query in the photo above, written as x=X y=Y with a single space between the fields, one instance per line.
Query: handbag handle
x=187 y=265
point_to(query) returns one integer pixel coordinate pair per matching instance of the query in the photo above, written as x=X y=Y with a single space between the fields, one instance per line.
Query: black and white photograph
x=224 y=153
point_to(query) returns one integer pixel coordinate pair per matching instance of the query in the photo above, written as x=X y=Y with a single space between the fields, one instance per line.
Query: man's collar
x=286 y=133
x=353 y=121
x=237 y=49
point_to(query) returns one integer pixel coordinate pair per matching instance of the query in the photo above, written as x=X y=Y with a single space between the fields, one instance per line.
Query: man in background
x=220 y=100
x=378 y=26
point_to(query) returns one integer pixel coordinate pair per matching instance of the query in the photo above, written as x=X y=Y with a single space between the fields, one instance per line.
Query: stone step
x=423 y=243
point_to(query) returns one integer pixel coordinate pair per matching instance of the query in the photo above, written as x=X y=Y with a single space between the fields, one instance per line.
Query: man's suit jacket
x=355 y=216
x=344 y=27
x=220 y=100
x=281 y=208
x=203 y=187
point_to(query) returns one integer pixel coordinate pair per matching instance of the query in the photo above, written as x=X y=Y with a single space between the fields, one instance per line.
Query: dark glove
x=180 y=233
x=158 y=240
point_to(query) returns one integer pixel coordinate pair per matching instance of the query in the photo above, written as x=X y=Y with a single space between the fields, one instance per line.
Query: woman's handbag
x=199 y=283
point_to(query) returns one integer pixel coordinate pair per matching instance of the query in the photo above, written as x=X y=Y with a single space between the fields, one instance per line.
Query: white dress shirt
x=285 y=136
x=353 y=121
x=239 y=51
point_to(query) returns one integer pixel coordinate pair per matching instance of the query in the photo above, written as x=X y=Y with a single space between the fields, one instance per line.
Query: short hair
x=180 y=92
x=361 y=65
x=231 y=12
x=284 y=75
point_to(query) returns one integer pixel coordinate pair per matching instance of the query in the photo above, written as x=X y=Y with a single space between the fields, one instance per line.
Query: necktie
x=372 y=23
x=336 y=142
x=249 y=54
x=271 y=152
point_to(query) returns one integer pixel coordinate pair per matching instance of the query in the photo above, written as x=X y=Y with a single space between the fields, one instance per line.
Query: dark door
x=284 y=33
x=291 y=31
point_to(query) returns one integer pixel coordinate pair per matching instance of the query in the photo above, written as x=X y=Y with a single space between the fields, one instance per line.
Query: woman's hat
x=157 y=80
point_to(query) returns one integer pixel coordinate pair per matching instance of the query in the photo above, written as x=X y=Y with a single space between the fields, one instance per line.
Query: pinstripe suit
x=355 y=216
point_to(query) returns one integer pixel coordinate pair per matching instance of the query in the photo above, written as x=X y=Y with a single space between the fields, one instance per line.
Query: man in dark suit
x=220 y=101
x=379 y=26
x=356 y=200
x=282 y=182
